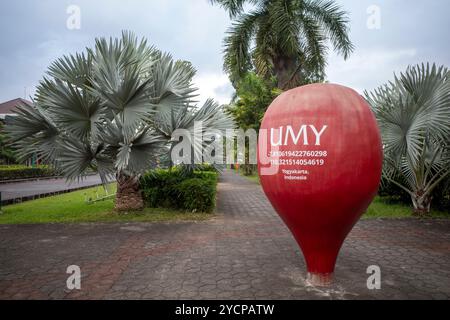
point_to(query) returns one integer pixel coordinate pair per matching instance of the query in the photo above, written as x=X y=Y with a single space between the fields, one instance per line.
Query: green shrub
x=206 y=167
x=441 y=196
x=174 y=188
x=16 y=172
x=152 y=197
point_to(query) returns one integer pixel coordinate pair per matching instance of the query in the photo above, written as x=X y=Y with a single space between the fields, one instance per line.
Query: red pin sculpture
x=320 y=160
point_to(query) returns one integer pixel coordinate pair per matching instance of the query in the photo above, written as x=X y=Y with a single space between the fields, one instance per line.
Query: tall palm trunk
x=287 y=72
x=129 y=195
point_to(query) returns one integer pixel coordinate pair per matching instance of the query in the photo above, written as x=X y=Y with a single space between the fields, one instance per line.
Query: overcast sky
x=34 y=33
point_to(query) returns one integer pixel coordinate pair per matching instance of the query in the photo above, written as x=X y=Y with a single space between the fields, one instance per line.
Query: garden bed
x=73 y=208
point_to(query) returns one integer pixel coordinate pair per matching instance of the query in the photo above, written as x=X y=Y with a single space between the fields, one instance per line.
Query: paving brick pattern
x=245 y=252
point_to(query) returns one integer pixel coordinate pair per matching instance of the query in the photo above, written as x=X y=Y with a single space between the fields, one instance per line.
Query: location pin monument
x=320 y=160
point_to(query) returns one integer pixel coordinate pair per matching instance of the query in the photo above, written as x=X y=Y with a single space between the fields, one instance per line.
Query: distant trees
x=253 y=97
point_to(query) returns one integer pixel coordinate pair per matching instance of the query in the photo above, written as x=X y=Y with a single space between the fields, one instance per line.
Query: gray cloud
x=33 y=33
x=411 y=32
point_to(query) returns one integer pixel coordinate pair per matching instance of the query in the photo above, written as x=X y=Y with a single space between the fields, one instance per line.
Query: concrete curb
x=30 y=179
x=45 y=195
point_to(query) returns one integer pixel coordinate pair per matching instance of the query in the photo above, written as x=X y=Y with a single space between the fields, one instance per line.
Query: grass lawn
x=382 y=209
x=72 y=208
x=379 y=207
x=254 y=177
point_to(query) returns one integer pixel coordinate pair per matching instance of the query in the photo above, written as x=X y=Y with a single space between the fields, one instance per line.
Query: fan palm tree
x=288 y=39
x=107 y=110
x=413 y=112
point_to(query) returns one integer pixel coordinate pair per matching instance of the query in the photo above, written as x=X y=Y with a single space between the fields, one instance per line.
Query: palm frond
x=75 y=69
x=199 y=123
x=172 y=86
x=333 y=20
x=285 y=28
x=74 y=109
x=237 y=60
x=234 y=7
x=262 y=53
x=118 y=81
x=134 y=152
x=32 y=132
x=315 y=49
x=413 y=112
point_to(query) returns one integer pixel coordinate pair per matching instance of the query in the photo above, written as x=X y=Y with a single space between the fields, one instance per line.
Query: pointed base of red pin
x=320 y=279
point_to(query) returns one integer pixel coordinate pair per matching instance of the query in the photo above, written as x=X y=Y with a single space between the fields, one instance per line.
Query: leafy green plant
x=159 y=187
x=253 y=97
x=288 y=39
x=206 y=175
x=413 y=113
x=16 y=172
x=206 y=168
x=197 y=195
x=153 y=197
x=174 y=188
x=7 y=154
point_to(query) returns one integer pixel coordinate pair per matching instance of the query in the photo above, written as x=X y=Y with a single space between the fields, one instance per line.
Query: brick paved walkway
x=244 y=253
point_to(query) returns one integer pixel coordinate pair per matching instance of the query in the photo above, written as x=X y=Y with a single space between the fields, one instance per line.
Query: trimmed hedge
x=158 y=187
x=194 y=192
x=197 y=195
x=16 y=172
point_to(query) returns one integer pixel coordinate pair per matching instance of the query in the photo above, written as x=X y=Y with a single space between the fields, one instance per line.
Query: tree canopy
x=288 y=39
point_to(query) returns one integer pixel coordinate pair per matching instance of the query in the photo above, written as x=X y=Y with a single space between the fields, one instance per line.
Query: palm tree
x=413 y=112
x=288 y=39
x=107 y=110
